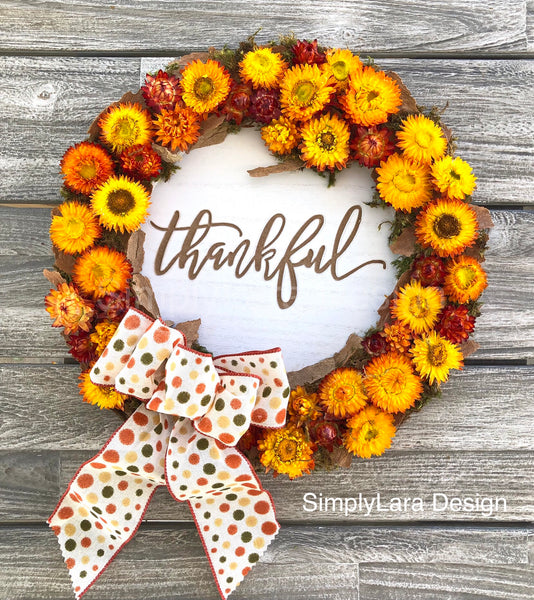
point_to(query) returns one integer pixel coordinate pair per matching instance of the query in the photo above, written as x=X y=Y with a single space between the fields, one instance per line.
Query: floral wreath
x=321 y=109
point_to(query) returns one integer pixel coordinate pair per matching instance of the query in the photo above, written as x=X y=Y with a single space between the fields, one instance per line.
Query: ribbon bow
x=197 y=408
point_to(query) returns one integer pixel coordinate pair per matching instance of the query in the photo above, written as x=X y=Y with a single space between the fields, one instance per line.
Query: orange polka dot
x=227 y=438
x=111 y=456
x=132 y=322
x=233 y=461
x=140 y=419
x=198 y=360
x=268 y=528
x=65 y=513
x=107 y=377
x=110 y=509
x=280 y=416
x=105 y=353
x=194 y=459
x=261 y=507
x=176 y=382
x=259 y=415
x=246 y=571
x=161 y=335
x=224 y=507
x=148 y=468
x=232 y=529
x=122 y=485
x=239 y=551
x=155 y=403
x=98 y=465
x=254 y=492
x=235 y=404
x=159 y=446
x=70 y=562
x=127 y=437
x=95 y=567
x=85 y=480
x=205 y=424
x=131 y=363
x=99 y=525
x=278 y=382
x=243 y=478
x=200 y=388
x=56 y=529
x=86 y=542
x=202 y=481
x=137 y=507
x=125 y=358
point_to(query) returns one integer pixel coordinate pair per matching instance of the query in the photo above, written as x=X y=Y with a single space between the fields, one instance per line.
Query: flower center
x=263 y=63
x=120 y=202
x=465 y=277
x=304 y=92
x=102 y=274
x=404 y=181
x=423 y=139
x=418 y=306
x=203 y=87
x=126 y=129
x=447 y=226
x=372 y=95
x=371 y=432
x=287 y=450
x=88 y=170
x=327 y=140
x=343 y=393
x=454 y=175
x=340 y=70
x=393 y=381
x=437 y=355
x=75 y=228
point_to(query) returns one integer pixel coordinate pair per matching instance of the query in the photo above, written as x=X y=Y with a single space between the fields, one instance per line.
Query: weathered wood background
x=61 y=63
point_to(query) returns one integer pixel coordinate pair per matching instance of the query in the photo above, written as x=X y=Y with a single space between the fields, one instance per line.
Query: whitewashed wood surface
x=61 y=62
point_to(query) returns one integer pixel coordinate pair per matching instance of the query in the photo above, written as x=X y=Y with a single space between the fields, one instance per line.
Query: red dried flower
x=371 y=145
x=307 y=53
x=81 y=348
x=249 y=439
x=325 y=434
x=237 y=103
x=375 y=344
x=113 y=307
x=264 y=106
x=455 y=324
x=161 y=91
x=141 y=161
x=429 y=270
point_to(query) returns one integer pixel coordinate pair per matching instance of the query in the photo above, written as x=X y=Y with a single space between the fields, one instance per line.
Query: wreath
x=317 y=108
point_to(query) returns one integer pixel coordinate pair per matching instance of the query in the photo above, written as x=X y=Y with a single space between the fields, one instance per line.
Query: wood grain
x=302 y=562
x=25 y=252
x=50 y=107
x=421 y=27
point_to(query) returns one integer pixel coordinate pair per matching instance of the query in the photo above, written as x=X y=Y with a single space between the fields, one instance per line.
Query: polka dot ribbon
x=195 y=408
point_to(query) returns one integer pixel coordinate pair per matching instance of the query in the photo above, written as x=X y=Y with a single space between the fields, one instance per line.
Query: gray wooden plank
x=302 y=562
x=48 y=103
x=25 y=252
x=530 y=25
x=444 y=582
x=482 y=409
x=482 y=26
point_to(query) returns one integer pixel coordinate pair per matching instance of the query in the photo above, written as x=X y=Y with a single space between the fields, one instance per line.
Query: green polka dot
x=138 y=492
x=120 y=473
x=215 y=538
x=174 y=440
x=266 y=391
x=147 y=450
x=273 y=364
x=96 y=370
x=145 y=390
x=147 y=358
x=158 y=428
x=107 y=491
x=183 y=487
x=100 y=552
x=85 y=525
x=219 y=404
x=83 y=573
x=222 y=559
x=231 y=497
x=217 y=485
x=97 y=510
x=229 y=579
x=239 y=420
x=175 y=464
x=239 y=515
x=128 y=516
x=202 y=444
x=133 y=469
x=253 y=557
x=209 y=469
x=206 y=368
x=183 y=397
x=70 y=544
x=285 y=393
x=205 y=400
x=234 y=362
x=243 y=388
x=246 y=536
x=207 y=515
x=183 y=362
x=252 y=364
x=122 y=381
x=118 y=345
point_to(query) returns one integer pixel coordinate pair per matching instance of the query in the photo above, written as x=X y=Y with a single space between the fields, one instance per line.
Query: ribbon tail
x=106 y=500
x=234 y=515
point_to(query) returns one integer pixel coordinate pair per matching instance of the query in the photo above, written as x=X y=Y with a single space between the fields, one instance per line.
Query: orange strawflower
x=85 y=166
x=69 y=309
x=465 y=280
x=341 y=392
x=178 y=128
x=75 y=228
x=101 y=271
